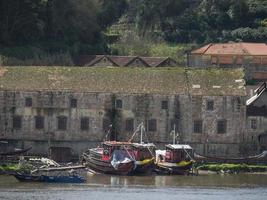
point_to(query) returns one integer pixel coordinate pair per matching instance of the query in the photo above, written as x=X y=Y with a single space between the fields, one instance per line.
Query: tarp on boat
x=120 y=157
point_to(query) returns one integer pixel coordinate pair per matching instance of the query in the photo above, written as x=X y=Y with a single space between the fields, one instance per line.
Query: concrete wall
x=100 y=107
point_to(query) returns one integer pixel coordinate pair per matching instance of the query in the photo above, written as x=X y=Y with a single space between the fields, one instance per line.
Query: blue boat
x=50 y=179
x=63 y=179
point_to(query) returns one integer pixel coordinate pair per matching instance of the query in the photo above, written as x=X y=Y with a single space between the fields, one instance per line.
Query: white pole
x=141 y=139
x=173 y=134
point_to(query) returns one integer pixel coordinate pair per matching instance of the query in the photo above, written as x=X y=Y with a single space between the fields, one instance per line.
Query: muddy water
x=103 y=187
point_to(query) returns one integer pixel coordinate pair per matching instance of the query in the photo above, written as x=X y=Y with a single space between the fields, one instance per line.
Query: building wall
x=104 y=108
x=250 y=64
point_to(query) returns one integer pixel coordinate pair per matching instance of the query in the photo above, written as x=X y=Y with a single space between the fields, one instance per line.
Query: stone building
x=69 y=109
x=251 y=56
x=257 y=120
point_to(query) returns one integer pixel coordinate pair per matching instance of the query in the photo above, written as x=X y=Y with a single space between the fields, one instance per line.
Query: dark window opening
x=118 y=103
x=129 y=124
x=197 y=126
x=210 y=105
x=152 y=125
x=39 y=122
x=164 y=105
x=253 y=124
x=221 y=126
x=62 y=123
x=85 y=123
x=28 y=102
x=73 y=103
x=17 y=122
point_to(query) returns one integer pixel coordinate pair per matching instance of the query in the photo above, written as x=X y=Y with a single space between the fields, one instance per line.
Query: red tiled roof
x=122 y=61
x=154 y=61
x=241 y=48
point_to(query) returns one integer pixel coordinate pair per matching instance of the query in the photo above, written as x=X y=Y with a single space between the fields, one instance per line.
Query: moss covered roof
x=123 y=80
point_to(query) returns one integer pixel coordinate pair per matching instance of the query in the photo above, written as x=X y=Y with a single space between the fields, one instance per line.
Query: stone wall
x=105 y=108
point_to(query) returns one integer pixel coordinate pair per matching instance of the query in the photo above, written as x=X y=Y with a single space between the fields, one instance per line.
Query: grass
x=10 y=167
x=232 y=168
x=143 y=80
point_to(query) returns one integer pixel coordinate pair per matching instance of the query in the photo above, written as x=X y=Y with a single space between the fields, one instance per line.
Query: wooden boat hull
x=95 y=163
x=145 y=166
x=181 y=168
x=28 y=178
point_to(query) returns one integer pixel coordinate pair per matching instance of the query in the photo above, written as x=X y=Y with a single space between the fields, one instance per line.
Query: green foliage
x=233 y=167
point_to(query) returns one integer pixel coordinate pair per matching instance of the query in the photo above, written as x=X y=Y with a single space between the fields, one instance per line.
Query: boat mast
x=173 y=139
x=141 y=138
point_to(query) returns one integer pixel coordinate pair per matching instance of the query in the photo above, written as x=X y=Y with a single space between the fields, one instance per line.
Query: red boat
x=111 y=158
x=176 y=159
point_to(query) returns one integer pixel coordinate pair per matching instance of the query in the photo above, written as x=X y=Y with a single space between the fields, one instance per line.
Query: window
x=210 y=105
x=118 y=103
x=62 y=123
x=198 y=126
x=85 y=123
x=39 y=122
x=28 y=102
x=253 y=124
x=164 y=105
x=129 y=124
x=17 y=122
x=73 y=103
x=152 y=125
x=221 y=126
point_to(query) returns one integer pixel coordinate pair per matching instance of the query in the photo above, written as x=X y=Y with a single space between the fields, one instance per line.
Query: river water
x=104 y=187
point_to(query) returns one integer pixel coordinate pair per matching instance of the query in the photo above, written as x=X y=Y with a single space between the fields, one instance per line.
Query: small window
x=210 y=105
x=164 y=105
x=197 y=126
x=28 y=102
x=39 y=122
x=221 y=126
x=85 y=123
x=17 y=122
x=129 y=124
x=253 y=124
x=152 y=125
x=73 y=103
x=62 y=123
x=118 y=103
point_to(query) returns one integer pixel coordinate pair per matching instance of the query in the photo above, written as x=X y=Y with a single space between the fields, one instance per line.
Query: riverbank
x=231 y=168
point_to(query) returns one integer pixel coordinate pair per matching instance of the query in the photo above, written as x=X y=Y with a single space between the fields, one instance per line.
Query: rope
x=188 y=154
x=129 y=153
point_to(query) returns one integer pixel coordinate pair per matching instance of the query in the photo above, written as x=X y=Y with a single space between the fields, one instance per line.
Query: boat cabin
x=143 y=151
x=178 y=152
x=110 y=146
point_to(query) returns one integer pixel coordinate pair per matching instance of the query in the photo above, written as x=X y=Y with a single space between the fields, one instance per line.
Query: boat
x=143 y=154
x=256 y=159
x=112 y=157
x=49 y=179
x=175 y=159
x=27 y=177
